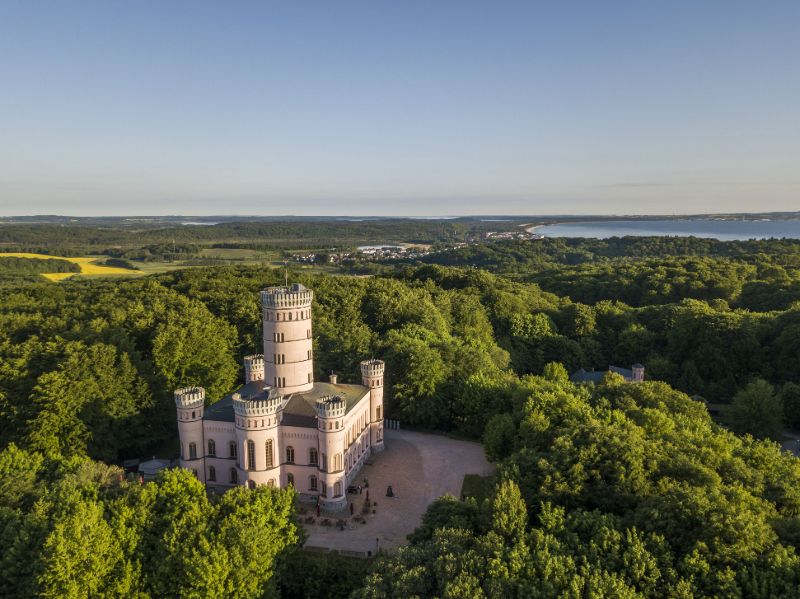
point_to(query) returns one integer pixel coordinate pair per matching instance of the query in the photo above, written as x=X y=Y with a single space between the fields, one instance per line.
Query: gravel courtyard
x=420 y=467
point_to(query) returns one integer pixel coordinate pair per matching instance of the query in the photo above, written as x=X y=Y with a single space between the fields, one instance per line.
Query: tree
x=82 y=557
x=757 y=410
x=498 y=438
x=555 y=372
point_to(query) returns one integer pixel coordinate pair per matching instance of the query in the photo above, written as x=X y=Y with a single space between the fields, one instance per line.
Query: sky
x=440 y=107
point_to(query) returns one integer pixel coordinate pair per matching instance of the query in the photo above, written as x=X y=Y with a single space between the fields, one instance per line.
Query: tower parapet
x=372 y=369
x=331 y=406
x=254 y=368
x=293 y=296
x=257 y=407
x=190 y=397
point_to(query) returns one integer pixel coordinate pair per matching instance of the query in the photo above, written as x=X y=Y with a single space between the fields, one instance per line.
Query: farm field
x=88 y=266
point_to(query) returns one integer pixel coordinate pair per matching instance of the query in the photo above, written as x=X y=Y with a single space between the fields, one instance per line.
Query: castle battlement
x=190 y=397
x=254 y=362
x=331 y=406
x=372 y=368
x=294 y=296
x=250 y=407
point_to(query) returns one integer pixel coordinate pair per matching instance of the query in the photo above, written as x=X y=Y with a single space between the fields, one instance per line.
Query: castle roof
x=596 y=376
x=299 y=409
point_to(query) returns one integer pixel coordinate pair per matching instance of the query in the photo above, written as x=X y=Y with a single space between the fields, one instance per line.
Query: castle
x=282 y=427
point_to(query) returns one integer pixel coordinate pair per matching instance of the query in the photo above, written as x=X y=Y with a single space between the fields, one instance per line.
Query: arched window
x=270 y=454
x=312 y=483
x=212 y=473
x=290 y=315
x=290 y=454
x=232 y=449
x=324 y=462
x=212 y=448
x=312 y=456
x=251 y=455
x=337 y=462
x=290 y=479
x=234 y=477
x=192 y=451
x=378 y=413
x=337 y=489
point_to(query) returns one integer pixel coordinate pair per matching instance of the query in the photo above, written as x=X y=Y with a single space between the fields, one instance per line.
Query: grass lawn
x=479 y=487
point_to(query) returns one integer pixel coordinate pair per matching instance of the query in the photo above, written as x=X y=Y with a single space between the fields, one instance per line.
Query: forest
x=613 y=490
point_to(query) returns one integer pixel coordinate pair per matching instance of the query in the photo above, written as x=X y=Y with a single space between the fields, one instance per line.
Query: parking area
x=420 y=468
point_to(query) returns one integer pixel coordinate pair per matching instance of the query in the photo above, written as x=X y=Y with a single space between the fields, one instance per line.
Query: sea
x=725 y=230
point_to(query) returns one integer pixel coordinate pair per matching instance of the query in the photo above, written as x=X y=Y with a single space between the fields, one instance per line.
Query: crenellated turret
x=190 y=402
x=372 y=377
x=254 y=368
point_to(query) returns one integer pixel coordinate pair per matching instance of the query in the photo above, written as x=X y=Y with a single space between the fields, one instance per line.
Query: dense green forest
x=610 y=491
x=124 y=240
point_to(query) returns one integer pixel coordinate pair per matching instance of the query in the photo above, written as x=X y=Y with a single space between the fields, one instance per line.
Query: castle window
x=308 y=333
x=290 y=479
x=324 y=462
x=309 y=354
x=290 y=315
x=251 y=455
x=192 y=451
x=312 y=456
x=337 y=489
x=269 y=454
x=193 y=414
x=234 y=477
x=283 y=381
x=212 y=448
x=324 y=490
x=309 y=377
x=312 y=483
x=212 y=473
x=232 y=449
x=271 y=482
x=290 y=454
x=378 y=413
x=251 y=484
x=337 y=462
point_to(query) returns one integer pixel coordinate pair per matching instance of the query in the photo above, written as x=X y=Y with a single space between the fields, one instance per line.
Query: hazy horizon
x=391 y=109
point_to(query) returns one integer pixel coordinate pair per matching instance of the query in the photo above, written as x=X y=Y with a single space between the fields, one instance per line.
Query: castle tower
x=257 y=438
x=253 y=368
x=190 y=402
x=332 y=441
x=288 y=359
x=372 y=377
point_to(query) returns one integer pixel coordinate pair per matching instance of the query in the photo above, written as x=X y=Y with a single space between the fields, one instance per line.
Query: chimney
x=333 y=378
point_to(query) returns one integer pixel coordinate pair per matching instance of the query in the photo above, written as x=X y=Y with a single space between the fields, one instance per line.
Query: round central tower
x=288 y=357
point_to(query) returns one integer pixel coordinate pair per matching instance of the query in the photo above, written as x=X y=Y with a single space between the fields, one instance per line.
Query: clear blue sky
x=399 y=107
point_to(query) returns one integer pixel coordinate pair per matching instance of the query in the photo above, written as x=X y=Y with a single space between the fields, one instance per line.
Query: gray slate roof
x=596 y=376
x=299 y=409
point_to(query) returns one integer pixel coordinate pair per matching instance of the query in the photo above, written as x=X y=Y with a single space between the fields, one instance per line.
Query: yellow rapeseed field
x=87 y=264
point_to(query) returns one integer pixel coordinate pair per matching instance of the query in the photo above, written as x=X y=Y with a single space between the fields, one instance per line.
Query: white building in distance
x=281 y=427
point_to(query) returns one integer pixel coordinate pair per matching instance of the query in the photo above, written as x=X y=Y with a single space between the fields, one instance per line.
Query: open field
x=88 y=266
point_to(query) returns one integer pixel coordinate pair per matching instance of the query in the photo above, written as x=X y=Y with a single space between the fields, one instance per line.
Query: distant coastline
x=714 y=228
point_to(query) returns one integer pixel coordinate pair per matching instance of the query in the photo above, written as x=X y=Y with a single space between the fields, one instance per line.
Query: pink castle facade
x=282 y=427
